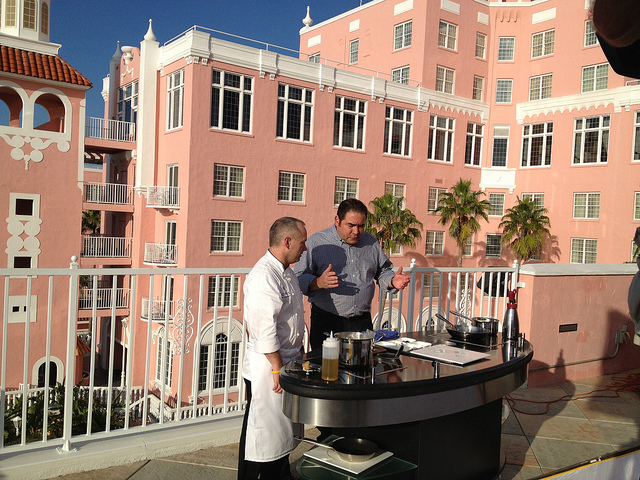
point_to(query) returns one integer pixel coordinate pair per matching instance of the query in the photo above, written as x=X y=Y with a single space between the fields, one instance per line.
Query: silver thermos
x=510 y=323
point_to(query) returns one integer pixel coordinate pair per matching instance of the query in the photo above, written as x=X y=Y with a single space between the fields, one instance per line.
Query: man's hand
x=276 y=382
x=400 y=280
x=328 y=279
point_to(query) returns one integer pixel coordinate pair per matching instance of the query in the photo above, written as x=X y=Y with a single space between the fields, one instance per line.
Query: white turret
x=26 y=24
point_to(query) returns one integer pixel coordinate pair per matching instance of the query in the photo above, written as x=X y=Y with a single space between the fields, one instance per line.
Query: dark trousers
x=322 y=321
x=248 y=470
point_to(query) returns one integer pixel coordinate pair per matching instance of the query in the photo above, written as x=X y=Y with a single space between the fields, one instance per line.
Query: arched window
x=53 y=375
x=164 y=350
x=44 y=19
x=214 y=353
x=29 y=15
x=10 y=108
x=10 y=14
x=49 y=113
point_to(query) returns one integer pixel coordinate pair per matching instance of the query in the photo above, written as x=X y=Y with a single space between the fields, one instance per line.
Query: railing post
x=412 y=294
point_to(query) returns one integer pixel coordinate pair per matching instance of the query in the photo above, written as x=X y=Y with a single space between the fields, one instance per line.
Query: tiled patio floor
x=572 y=431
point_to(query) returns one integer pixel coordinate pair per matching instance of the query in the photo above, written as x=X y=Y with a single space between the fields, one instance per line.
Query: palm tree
x=90 y=221
x=525 y=229
x=462 y=207
x=392 y=225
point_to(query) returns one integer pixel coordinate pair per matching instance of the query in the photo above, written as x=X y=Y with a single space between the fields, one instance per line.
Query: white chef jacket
x=274 y=318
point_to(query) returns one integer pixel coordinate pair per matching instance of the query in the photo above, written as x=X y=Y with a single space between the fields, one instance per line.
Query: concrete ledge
x=43 y=461
x=577 y=269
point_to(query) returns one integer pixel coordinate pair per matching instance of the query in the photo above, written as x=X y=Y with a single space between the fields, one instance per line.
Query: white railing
x=106 y=247
x=103 y=298
x=109 y=193
x=160 y=254
x=160 y=310
x=104 y=129
x=163 y=197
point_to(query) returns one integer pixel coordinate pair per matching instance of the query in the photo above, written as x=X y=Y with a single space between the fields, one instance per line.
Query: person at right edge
x=338 y=274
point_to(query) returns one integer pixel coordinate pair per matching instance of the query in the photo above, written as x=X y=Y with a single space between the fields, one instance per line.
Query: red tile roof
x=37 y=65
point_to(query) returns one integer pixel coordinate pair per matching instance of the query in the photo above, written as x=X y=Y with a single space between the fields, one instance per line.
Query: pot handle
x=313 y=442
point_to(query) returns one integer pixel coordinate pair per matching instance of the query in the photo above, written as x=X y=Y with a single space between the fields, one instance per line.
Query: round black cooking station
x=443 y=417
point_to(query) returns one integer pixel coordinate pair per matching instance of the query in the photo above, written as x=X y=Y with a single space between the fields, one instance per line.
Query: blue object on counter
x=385 y=335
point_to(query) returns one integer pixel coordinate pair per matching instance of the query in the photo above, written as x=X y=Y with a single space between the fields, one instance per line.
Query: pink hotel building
x=213 y=139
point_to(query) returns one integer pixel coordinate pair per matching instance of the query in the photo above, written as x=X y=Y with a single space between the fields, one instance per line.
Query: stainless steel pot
x=356 y=349
x=488 y=324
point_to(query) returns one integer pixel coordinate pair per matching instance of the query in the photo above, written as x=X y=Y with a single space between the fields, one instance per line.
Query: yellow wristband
x=274 y=371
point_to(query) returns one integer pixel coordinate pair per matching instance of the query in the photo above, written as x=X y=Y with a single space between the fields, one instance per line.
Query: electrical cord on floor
x=630 y=383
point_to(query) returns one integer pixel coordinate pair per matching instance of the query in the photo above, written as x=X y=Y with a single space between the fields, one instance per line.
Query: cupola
x=26 y=21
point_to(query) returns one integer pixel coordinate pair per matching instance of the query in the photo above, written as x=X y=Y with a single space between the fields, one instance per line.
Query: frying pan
x=464 y=333
x=349 y=449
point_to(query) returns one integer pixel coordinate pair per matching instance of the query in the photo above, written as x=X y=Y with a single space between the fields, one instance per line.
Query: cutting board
x=446 y=353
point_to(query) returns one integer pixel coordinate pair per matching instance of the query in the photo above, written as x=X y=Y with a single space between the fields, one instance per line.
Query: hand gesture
x=400 y=280
x=328 y=279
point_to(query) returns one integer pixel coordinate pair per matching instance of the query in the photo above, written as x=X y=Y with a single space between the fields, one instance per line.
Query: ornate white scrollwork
x=182 y=327
x=37 y=144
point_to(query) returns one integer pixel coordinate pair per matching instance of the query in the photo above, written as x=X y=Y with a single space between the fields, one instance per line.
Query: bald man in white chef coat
x=274 y=319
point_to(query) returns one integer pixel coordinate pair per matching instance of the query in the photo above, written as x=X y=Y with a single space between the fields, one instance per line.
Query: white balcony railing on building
x=163 y=197
x=160 y=254
x=104 y=129
x=109 y=193
x=103 y=298
x=159 y=310
x=106 y=247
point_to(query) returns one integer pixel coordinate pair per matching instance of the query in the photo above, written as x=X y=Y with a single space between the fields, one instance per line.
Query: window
x=228 y=181
x=473 y=147
x=478 y=85
x=225 y=236
x=164 y=358
x=468 y=247
x=29 y=16
x=444 y=80
x=24 y=207
x=434 y=197
x=44 y=19
x=595 y=77
x=227 y=297
x=636 y=141
x=440 y=138
x=584 y=250
x=506 y=48
x=500 y=145
x=590 y=37
x=402 y=35
x=10 y=16
x=540 y=87
x=348 y=123
x=345 y=188
x=496 y=200
x=231 y=101
x=537 y=198
x=591 y=139
x=128 y=102
x=431 y=288
x=396 y=189
x=537 y=140
x=494 y=245
x=215 y=344
x=315 y=58
x=586 y=205
x=503 y=90
x=481 y=44
x=636 y=210
x=543 y=43
x=175 y=98
x=291 y=187
x=353 y=51
x=435 y=243
x=400 y=75
x=295 y=107
x=447 y=35
x=397 y=131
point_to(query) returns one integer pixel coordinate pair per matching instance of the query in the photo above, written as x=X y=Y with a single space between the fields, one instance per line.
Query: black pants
x=248 y=470
x=322 y=321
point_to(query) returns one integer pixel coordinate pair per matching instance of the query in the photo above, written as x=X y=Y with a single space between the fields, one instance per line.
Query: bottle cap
x=332 y=339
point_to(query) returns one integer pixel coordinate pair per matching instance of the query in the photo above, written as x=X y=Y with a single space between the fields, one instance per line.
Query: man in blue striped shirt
x=338 y=273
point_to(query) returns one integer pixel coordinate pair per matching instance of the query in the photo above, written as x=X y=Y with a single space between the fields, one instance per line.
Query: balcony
x=110 y=130
x=107 y=193
x=103 y=298
x=160 y=254
x=163 y=197
x=106 y=247
x=156 y=310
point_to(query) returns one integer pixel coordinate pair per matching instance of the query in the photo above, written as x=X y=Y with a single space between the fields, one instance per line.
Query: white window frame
x=581 y=130
x=11 y=13
x=207 y=374
x=543 y=43
x=504 y=90
x=227 y=176
x=473 y=144
x=289 y=189
x=636 y=209
x=586 y=205
x=636 y=137
x=128 y=102
x=583 y=249
x=354 y=46
x=500 y=133
x=29 y=15
x=434 y=197
x=175 y=99
x=590 y=37
x=349 y=112
x=478 y=88
x=595 y=77
x=402 y=35
x=493 y=249
x=398 y=117
x=540 y=87
x=468 y=247
x=243 y=90
x=228 y=239
x=288 y=101
x=447 y=35
x=536 y=135
x=481 y=45
x=537 y=198
x=434 y=244
x=440 y=133
x=506 y=49
x=226 y=294
x=164 y=351
x=396 y=189
x=496 y=202
x=344 y=188
x=445 y=78
x=400 y=75
x=314 y=58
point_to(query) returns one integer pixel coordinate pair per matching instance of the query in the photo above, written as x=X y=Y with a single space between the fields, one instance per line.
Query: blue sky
x=88 y=30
